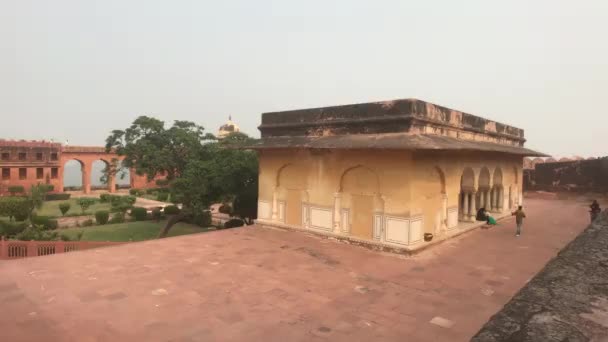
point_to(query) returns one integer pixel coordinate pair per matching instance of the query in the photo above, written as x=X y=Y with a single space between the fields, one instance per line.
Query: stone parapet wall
x=583 y=175
x=566 y=301
x=398 y=116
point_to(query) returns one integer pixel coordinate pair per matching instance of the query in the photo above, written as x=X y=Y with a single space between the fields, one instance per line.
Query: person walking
x=519 y=219
x=595 y=210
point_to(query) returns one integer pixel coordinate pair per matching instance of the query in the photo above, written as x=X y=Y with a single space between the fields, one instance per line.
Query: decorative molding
x=397 y=229
x=321 y=218
x=378 y=218
x=345 y=220
x=264 y=209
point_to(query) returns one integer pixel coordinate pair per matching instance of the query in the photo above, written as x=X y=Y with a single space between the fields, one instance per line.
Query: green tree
x=85 y=203
x=199 y=170
x=36 y=198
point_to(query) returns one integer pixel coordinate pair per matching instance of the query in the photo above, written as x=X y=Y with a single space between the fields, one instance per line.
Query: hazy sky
x=77 y=69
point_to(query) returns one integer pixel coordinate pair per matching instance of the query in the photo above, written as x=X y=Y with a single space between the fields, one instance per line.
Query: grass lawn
x=51 y=208
x=134 y=231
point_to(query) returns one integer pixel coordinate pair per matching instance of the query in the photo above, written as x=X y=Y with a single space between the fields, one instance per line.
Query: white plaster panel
x=345 y=221
x=321 y=218
x=415 y=230
x=264 y=210
x=397 y=229
x=452 y=217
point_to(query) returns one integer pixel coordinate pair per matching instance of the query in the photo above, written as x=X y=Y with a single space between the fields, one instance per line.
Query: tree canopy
x=200 y=169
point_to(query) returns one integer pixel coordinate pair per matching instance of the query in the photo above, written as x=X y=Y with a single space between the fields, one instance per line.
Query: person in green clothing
x=519 y=219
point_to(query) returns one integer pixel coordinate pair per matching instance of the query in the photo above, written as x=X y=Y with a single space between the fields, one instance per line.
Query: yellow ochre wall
x=402 y=183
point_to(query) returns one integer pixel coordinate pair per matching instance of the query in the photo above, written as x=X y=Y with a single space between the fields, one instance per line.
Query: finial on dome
x=229 y=117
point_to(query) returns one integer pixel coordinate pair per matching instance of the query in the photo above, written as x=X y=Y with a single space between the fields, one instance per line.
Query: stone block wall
x=566 y=301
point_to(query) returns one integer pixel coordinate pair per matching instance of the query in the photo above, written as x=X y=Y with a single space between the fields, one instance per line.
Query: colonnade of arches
x=486 y=190
x=87 y=174
x=359 y=201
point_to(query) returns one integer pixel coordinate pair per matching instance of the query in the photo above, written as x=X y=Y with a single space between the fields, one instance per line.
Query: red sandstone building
x=28 y=163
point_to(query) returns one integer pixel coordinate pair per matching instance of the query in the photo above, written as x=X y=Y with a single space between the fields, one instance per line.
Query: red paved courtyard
x=257 y=284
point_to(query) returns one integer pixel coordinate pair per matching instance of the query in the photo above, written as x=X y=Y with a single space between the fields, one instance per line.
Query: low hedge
x=233 y=223
x=139 y=214
x=102 y=216
x=171 y=210
x=201 y=219
x=10 y=229
x=16 y=189
x=117 y=218
x=162 y=196
x=157 y=214
x=58 y=196
x=137 y=192
x=44 y=222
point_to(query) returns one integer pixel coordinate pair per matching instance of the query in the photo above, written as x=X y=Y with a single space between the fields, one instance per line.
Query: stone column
x=111 y=183
x=59 y=179
x=472 y=208
x=275 y=206
x=501 y=198
x=492 y=199
x=86 y=178
x=486 y=201
x=465 y=206
x=444 y=212
x=337 y=212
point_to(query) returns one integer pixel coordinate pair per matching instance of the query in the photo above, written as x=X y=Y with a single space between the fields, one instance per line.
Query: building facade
x=26 y=163
x=386 y=173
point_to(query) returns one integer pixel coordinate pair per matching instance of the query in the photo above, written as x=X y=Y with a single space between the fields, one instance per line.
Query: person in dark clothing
x=482 y=215
x=595 y=210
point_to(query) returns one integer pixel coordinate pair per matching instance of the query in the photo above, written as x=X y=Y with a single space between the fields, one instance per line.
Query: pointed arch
x=359 y=179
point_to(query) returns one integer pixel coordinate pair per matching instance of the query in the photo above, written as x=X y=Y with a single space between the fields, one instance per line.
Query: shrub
x=21 y=216
x=117 y=218
x=225 y=209
x=34 y=233
x=162 y=182
x=137 y=192
x=10 y=229
x=162 y=196
x=157 y=214
x=64 y=207
x=15 y=207
x=86 y=202
x=201 y=219
x=109 y=198
x=44 y=222
x=102 y=216
x=139 y=214
x=87 y=223
x=57 y=197
x=234 y=223
x=171 y=210
x=51 y=224
x=130 y=199
x=49 y=187
x=16 y=189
